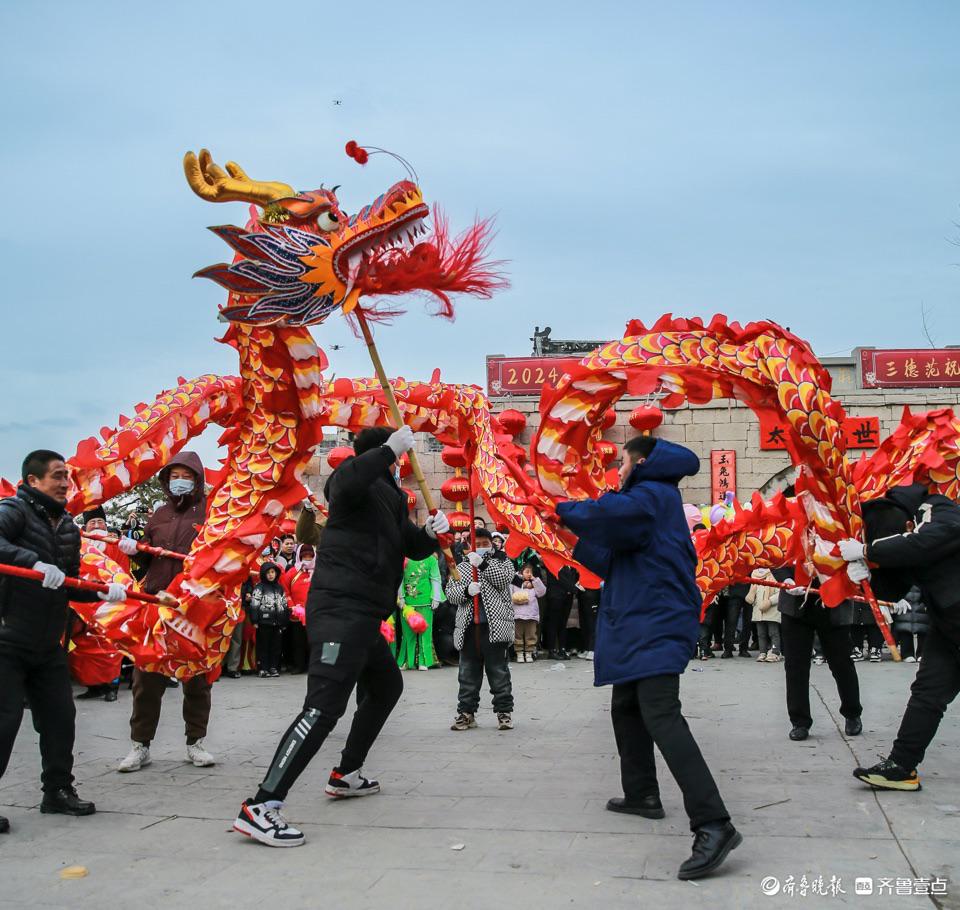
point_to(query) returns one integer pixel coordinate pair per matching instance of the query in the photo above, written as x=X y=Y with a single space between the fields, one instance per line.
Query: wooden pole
x=78 y=584
x=398 y=420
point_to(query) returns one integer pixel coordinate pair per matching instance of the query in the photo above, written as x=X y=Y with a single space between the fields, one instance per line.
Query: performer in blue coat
x=637 y=540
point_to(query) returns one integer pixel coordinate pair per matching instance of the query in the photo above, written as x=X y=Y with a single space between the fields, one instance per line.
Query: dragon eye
x=327 y=221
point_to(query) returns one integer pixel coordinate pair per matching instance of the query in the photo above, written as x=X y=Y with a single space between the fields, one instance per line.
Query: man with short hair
x=36 y=532
x=357 y=574
x=638 y=542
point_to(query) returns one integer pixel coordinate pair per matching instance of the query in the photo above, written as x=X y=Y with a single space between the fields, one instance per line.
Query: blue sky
x=767 y=160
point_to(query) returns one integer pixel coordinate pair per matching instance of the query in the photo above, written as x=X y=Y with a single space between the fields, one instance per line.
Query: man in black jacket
x=803 y=615
x=37 y=533
x=359 y=568
x=914 y=538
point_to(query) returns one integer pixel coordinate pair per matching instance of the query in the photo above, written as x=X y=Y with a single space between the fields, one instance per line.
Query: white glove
x=400 y=440
x=473 y=589
x=901 y=607
x=852 y=550
x=858 y=571
x=434 y=604
x=885 y=613
x=114 y=594
x=436 y=525
x=475 y=559
x=52 y=576
x=128 y=546
x=795 y=591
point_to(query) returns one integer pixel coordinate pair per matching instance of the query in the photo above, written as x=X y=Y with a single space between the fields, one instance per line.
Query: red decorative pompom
x=351 y=148
x=361 y=156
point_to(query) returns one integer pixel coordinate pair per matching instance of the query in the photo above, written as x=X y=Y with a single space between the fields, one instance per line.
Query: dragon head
x=303 y=258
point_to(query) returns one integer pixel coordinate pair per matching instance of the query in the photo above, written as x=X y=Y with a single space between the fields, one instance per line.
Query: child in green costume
x=422 y=592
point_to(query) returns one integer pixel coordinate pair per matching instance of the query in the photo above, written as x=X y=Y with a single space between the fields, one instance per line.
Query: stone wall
x=702 y=428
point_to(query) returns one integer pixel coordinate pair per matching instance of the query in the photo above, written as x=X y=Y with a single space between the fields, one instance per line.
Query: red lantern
x=646 y=418
x=406 y=469
x=411 y=498
x=608 y=420
x=459 y=521
x=455 y=489
x=607 y=450
x=336 y=457
x=453 y=457
x=512 y=421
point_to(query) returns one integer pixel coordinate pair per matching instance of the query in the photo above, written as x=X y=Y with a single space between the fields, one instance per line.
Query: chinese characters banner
x=860 y=433
x=914 y=368
x=723 y=473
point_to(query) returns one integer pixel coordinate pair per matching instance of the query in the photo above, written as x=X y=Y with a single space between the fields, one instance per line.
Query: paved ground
x=527 y=805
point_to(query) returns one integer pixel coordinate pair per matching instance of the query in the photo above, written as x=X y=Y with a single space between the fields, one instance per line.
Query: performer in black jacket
x=37 y=533
x=913 y=537
x=359 y=567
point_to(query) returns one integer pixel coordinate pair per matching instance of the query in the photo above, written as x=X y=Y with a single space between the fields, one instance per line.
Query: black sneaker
x=798 y=734
x=712 y=842
x=726 y=655
x=853 y=726
x=274 y=674
x=875 y=656
x=111 y=694
x=341 y=786
x=233 y=674
x=744 y=653
x=4 y=825
x=856 y=654
x=648 y=807
x=91 y=692
x=65 y=801
x=267 y=825
x=888 y=775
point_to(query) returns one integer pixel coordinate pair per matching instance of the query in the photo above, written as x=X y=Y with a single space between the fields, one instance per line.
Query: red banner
x=723 y=473
x=906 y=368
x=860 y=433
x=525 y=375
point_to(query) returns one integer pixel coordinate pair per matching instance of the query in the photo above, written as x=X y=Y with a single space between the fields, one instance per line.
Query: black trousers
x=295 y=649
x=477 y=657
x=269 y=640
x=936 y=684
x=796 y=639
x=44 y=680
x=906 y=646
x=871 y=632
x=587 y=604
x=342 y=656
x=737 y=608
x=555 y=622
x=645 y=713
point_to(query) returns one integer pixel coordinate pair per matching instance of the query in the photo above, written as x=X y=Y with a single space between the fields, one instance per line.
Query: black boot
x=4 y=825
x=798 y=734
x=853 y=726
x=111 y=694
x=648 y=806
x=64 y=801
x=92 y=692
x=712 y=842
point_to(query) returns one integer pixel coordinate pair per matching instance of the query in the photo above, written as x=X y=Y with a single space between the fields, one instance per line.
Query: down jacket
x=637 y=540
x=495 y=576
x=764 y=600
x=34 y=527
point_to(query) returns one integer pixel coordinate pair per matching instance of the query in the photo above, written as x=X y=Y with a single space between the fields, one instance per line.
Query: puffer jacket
x=34 y=527
x=174 y=526
x=915 y=621
x=494 y=576
x=268 y=605
x=359 y=563
x=764 y=600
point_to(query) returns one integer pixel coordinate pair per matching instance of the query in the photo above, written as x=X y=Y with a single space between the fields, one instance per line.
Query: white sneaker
x=423 y=667
x=587 y=655
x=340 y=786
x=138 y=757
x=265 y=823
x=200 y=757
x=910 y=660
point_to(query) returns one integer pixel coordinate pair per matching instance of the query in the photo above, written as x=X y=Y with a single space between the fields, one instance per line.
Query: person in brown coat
x=173 y=526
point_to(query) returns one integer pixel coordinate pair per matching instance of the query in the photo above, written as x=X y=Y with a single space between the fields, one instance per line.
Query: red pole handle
x=78 y=584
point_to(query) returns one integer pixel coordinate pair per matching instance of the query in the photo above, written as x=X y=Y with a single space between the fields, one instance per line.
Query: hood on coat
x=668 y=462
x=909 y=498
x=189 y=460
x=263 y=573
